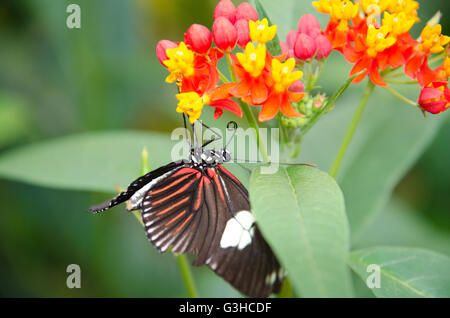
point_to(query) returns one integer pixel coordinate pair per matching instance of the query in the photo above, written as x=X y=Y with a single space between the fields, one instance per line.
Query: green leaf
x=14 y=120
x=404 y=226
x=405 y=272
x=272 y=46
x=93 y=161
x=300 y=211
x=389 y=140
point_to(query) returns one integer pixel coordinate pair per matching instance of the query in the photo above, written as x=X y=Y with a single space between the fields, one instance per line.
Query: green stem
x=187 y=275
x=400 y=96
x=351 y=129
x=251 y=120
x=395 y=81
x=182 y=260
x=223 y=77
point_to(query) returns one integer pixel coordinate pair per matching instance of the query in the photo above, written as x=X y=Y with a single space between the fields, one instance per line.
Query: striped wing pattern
x=190 y=210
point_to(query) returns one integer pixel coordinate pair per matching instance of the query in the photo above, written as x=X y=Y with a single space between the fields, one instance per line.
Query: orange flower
x=191 y=103
x=431 y=41
x=369 y=53
x=280 y=98
x=192 y=71
x=435 y=97
x=252 y=69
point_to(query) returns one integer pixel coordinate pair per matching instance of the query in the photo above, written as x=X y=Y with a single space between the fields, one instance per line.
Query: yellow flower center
x=432 y=39
x=339 y=10
x=260 y=31
x=398 y=23
x=283 y=75
x=180 y=63
x=191 y=103
x=408 y=7
x=253 y=59
x=378 y=40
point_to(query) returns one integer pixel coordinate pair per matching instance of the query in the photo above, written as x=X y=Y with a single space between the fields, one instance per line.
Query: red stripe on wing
x=228 y=173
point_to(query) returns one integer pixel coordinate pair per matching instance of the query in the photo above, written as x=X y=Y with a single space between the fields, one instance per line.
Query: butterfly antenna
x=186 y=131
x=219 y=136
x=278 y=163
x=232 y=125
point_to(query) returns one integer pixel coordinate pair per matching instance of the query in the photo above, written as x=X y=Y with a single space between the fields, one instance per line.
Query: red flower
x=161 y=48
x=283 y=76
x=323 y=47
x=226 y=9
x=246 y=11
x=224 y=34
x=305 y=47
x=243 y=32
x=252 y=69
x=199 y=38
x=309 y=25
x=435 y=97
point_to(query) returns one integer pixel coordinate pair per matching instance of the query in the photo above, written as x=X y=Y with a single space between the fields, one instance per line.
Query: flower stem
x=182 y=260
x=223 y=78
x=351 y=129
x=251 y=120
x=400 y=96
x=187 y=275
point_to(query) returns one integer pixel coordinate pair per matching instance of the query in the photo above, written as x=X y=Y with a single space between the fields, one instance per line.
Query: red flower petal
x=227 y=104
x=360 y=77
x=413 y=65
x=217 y=113
x=295 y=97
x=286 y=107
x=270 y=108
x=259 y=92
x=375 y=76
x=240 y=90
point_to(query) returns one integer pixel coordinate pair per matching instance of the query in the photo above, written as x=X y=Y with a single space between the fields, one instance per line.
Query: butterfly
x=197 y=206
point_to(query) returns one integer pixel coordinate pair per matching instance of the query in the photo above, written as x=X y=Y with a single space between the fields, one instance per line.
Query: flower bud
x=161 y=48
x=291 y=37
x=297 y=87
x=224 y=34
x=226 y=9
x=199 y=38
x=323 y=47
x=435 y=97
x=286 y=50
x=243 y=32
x=305 y=47
x=309 y=25
x=246 y=11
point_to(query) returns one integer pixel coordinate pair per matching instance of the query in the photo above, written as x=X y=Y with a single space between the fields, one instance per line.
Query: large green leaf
x=399 y=224
x=91 y=161
x=301 y=213
x=405 y=272
x=389 y=140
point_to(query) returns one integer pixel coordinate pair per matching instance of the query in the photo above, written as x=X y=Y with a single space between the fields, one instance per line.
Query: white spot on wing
x=238 y=231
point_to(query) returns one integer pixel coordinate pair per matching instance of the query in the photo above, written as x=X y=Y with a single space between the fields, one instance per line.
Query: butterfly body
x=197 y=206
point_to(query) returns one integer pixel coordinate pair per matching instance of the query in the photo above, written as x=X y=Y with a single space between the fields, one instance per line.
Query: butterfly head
x=208 y=157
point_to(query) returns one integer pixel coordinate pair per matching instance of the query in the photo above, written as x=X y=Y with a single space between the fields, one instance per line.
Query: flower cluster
x=270 y=80
x=374 y=35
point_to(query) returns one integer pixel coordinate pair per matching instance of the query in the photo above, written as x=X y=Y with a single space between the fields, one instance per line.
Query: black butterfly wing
x=135 y=186
x=243 y=257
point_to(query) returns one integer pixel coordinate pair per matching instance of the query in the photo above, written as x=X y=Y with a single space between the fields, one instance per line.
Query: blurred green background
x=56 y=81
